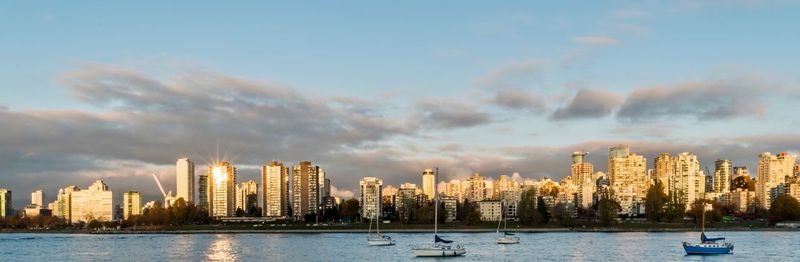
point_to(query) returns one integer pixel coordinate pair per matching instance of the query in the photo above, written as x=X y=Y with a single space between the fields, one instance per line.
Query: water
x=750 y=246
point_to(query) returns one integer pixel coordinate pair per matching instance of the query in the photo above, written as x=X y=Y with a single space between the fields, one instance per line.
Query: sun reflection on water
x=222 y=249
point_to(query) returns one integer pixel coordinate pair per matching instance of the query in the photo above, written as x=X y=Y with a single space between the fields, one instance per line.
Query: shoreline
x=411 y=231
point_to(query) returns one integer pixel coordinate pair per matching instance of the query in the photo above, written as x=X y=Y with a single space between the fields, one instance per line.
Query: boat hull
x=707 y=249
x=439 y=252
x=380 y=242
x=507 y=241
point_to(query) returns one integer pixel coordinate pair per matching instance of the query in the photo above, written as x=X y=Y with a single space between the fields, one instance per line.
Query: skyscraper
x=664 y=168
x=275 y=189
x=202 y=191
x=476 y=188
x=723 y=171
x=628 y=177
x=305 y=189
x=184 y=173
x=62 y=206
x=690 y=181
x=94 y=203
x=582 y=178
x=5 y=203
x=131 y=204
x=428 y=186
x=370 y=197
x=247 y=195
x=37 y=198
x=221 y=189
x=772 y=171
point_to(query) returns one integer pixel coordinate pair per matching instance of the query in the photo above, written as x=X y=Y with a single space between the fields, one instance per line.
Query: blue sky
x=711 y=76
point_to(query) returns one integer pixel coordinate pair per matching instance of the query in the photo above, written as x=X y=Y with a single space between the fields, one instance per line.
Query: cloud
x=511 y=86
x=148 y=122
x=596 y=40
x=448 y=114
x=343 y=194
x=709 y=100
x=588 y=103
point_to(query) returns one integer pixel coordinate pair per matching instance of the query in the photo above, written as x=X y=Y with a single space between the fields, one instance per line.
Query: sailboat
x=378 y=239
x=440 y=247
x=707 y=246
x=506 y=237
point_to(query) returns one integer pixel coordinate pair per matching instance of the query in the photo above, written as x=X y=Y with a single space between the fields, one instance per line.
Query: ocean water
x=749 y=246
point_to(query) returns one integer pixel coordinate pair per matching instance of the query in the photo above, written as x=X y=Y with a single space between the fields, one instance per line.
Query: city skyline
x=477 y=87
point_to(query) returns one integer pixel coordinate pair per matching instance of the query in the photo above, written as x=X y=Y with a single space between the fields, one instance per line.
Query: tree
x=697 y=208
x=526 y=211
x=655 y=201
x=464 y=210
x=784 y=208
x=743 y=182
x=607 y=210
x=424 y=214
x=239 y=212
x=350 y=209
x=544 y=212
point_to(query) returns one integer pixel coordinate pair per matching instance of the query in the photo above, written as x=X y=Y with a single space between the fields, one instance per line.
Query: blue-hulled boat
x=708 y=246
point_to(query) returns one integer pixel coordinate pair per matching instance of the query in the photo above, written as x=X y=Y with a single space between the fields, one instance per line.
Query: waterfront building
x=202 y=191
x=62 y=206
x=664 y=171
x=476 y=188
x=723 y=171
x=322 y=185
x=742 y=199
x=428 y=183
x=275 y=189
x=131 y=204
x=455 y=189
x=491 y=210
x=247 y=195
x=221 y=189
x=389 y=195
x=628 y=177
x=37 y=198
x=184 y=174
x=370 y=188
x=305 y=189
x=406 y=199
x=771 y=172
x=6 y=208
x=450 y=210
x=94 y=203
x=582 y=180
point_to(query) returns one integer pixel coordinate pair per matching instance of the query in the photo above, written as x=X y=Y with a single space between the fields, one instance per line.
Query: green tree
x=655 y=201
x=350 y=209
x=784 y=208
x=607 y=210
x=743 y=182
x=423 y=214
x=544 y=212
x=526 y=211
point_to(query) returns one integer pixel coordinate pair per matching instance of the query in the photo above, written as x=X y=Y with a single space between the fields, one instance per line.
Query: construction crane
x=168 y=198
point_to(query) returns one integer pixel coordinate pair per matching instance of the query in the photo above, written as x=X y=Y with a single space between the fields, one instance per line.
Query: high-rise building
x=5 y=203
x=275 y=189
x=476 y=188
x=61 y=207
x=247 y=195
x=455 y=190
x=305 y=189
x=628 y=177
x=740 y=171
x=94 y=203
x=690 y=181
x=370 y=197
x=221 y=189
x=664 y=169
x=131 y=204
x=184 y=173
x=581 y=177
x=406 y=195
x=389 y=196
x=322 y=185
x=37 y=198
x=202 y=191
x=428 y=183
x=772 y=172
x=723 y=170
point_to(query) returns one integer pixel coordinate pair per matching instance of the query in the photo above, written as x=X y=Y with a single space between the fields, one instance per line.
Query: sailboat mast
x=436 y=203
x=377 y=215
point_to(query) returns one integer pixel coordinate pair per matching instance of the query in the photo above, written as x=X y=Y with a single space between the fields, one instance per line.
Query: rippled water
x=750 y=246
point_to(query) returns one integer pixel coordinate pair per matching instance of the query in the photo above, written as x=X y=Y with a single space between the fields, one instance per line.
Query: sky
x=119 y=90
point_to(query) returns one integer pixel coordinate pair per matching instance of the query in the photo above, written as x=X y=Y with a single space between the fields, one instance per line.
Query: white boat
x=506 y=237
x=440 y=247
x=378 y=239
